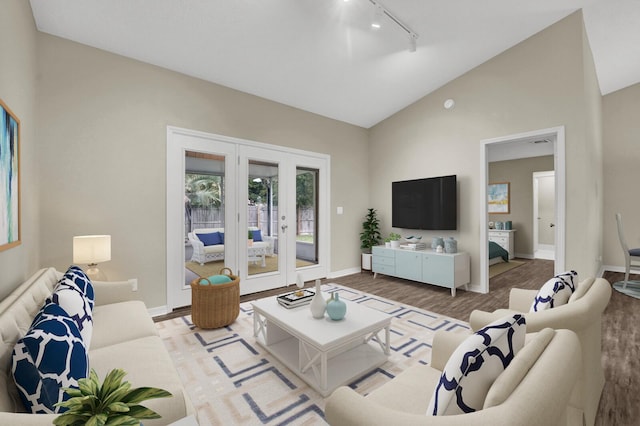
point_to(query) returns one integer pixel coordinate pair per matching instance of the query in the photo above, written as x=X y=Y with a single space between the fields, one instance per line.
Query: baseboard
x=157 y=311
x=344 y=272
x=618 y=269
x=525 y=256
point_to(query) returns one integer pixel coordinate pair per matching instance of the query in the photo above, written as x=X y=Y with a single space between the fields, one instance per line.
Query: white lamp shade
x=88 y=249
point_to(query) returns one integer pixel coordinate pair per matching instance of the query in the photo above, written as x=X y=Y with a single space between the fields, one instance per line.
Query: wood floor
x=621 y=338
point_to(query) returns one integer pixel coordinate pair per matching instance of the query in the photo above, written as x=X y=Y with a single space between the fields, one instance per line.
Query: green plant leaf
x=112 y=381
x=144 y=393
x=141 y=412
x=122 y=420
x=118 y=407
x=69 y=418
x=97 y=420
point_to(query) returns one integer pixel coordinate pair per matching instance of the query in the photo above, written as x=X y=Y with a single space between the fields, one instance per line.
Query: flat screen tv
x=430 y=204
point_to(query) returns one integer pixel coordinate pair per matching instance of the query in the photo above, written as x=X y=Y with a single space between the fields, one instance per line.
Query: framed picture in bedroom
x=9 y=178
x=498 y=198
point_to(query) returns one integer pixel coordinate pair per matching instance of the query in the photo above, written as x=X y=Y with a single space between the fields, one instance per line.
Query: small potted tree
x=369 y=237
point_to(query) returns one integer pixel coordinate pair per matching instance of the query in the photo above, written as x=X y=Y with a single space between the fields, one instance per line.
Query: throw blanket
x=496 y=251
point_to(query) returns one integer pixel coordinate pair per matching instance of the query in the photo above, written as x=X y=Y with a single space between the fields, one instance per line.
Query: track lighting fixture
x=380 y=11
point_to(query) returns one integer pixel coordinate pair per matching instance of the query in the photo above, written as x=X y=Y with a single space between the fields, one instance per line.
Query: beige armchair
x=533 y=390
x=583 y=315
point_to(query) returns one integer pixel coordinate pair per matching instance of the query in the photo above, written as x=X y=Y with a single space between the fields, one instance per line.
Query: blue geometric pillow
x=77 y=308
x=49 y=357
x=76 y=278
x=555 y=292
x=475 y=365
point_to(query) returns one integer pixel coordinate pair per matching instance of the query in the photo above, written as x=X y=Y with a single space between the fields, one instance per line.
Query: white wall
x=102 y=153
x=540 y=83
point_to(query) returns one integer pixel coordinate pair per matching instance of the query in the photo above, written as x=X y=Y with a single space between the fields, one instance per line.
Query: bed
x=497 y=254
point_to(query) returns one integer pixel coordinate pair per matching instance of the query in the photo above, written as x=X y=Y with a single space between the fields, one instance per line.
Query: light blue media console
x=450 y=270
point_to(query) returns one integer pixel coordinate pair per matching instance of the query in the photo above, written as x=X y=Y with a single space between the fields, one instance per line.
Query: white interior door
x=544 y=215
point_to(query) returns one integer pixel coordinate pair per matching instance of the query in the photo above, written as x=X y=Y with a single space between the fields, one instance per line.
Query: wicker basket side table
x=215 y=305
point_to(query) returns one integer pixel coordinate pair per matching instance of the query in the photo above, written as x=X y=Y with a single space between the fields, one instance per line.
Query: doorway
x=544 y=215
x=249 y=197
x=523 y=145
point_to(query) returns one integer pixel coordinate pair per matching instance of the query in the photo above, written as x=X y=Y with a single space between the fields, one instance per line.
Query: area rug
x=502 y=267
x=233 y=381
x=633 y=288
x=212 y=268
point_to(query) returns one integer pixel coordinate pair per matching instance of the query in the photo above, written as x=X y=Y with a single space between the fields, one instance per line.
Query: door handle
x=284 y=227
x=551 y=225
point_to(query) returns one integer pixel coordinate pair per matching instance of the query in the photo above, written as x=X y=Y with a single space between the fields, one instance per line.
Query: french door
x=271 y=204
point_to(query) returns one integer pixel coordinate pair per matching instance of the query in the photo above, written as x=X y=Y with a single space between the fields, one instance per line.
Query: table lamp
x=91 y=250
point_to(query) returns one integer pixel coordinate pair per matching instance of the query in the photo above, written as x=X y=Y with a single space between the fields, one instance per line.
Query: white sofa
x=203 y=254
x=583 y=315
x=124 y=336
x=533 y=390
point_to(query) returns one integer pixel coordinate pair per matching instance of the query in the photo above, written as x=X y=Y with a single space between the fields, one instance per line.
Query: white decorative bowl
x=412 y=239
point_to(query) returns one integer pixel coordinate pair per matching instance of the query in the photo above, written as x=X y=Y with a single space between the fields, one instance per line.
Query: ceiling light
x=376 y=22
x=380 y=11
x=449 y=103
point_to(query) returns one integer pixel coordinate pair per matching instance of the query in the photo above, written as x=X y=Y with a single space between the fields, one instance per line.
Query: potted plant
x=369 y=237
x=112 y=403
x=394 y=240
x=250 y=237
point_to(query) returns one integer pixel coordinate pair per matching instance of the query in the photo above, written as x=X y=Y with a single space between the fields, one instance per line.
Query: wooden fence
x=213 y=217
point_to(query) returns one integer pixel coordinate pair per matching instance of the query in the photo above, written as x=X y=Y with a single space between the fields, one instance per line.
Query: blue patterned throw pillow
x=475 y=365
x=555 y=292
x=75 y=278
x=77 y=307
x=50 y=357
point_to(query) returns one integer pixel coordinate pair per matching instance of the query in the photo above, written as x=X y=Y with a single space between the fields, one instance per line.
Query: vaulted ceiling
x=323 y=56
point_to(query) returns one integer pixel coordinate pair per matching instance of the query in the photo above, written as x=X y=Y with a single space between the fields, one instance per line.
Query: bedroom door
x=544 y=215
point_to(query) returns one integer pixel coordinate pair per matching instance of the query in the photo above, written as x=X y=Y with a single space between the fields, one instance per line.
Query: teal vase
x=336 y=308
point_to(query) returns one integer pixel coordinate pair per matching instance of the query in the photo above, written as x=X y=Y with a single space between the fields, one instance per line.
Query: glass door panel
x=306 y=216
x=262 y=218
x=204 y=206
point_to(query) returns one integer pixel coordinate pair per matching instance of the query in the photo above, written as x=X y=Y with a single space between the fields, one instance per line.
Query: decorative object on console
x=450 y=245
x=437 y=241
x=318 y=305
x=499 y=225
x=439 y=249
x=112 y=402
x=336 y=308
x=412 y=239
x=91 y=250
x=394 y=240
x=10 y=178
x=474 y=366
x=508 y=225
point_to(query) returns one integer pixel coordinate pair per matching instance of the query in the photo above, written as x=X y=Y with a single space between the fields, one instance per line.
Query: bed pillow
x=555 y=292
x=474 y=366
x=50 y=357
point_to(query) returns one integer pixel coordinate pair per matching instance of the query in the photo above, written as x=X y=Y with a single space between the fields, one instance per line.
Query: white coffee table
x=325 y=354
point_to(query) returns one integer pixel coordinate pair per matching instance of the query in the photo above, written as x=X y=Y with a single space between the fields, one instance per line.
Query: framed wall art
x=498 y=198
x=9 y=178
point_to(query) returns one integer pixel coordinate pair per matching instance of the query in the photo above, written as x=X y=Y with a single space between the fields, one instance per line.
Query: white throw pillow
x=555 y=292
x=475 y=365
